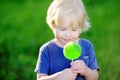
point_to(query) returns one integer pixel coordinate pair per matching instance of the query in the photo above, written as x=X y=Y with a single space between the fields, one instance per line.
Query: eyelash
x=74 y=29
x=62 y=29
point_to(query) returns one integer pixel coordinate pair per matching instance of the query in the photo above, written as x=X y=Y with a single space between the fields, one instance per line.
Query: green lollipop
x=72 y=50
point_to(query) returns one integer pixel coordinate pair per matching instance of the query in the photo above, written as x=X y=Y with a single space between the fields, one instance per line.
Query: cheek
x=58 y=33
x=76 y=34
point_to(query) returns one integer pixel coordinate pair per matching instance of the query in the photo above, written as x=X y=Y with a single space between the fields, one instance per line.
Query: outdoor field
x=23 y=30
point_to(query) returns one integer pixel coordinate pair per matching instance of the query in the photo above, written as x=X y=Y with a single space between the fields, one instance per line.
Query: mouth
x=67 y=40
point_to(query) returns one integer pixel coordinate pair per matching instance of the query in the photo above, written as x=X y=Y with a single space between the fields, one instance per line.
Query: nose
x=68 y=33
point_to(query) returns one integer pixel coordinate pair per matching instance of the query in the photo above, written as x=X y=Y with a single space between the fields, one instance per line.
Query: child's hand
x=79 y=66
x=67 y=74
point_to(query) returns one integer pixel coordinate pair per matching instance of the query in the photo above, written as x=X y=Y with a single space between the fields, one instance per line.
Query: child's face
x=65 y=33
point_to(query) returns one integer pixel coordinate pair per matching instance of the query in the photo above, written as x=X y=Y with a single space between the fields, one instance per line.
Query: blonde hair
x=60 y=8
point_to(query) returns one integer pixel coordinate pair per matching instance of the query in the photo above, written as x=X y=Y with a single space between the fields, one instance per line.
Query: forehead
x=67 y=20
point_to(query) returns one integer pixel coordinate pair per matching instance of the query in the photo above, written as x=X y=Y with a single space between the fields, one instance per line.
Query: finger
x=71 y=63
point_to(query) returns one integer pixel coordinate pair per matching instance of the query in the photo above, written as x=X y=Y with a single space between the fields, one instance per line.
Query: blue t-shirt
x=52 y=60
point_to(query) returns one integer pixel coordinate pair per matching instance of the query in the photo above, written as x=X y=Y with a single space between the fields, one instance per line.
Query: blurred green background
x=23 y=30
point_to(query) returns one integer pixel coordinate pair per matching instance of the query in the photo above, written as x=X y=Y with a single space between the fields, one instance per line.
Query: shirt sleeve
x=42 y=65
x=92 y=57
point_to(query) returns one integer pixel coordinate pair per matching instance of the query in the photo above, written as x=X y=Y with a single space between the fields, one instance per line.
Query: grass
x=23 y=30
x=105 y=36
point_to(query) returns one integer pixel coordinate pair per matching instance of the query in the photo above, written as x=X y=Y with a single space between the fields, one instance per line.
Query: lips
x=67 y=40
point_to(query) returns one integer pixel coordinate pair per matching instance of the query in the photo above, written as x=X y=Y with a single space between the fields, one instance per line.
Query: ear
x=52 y=25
